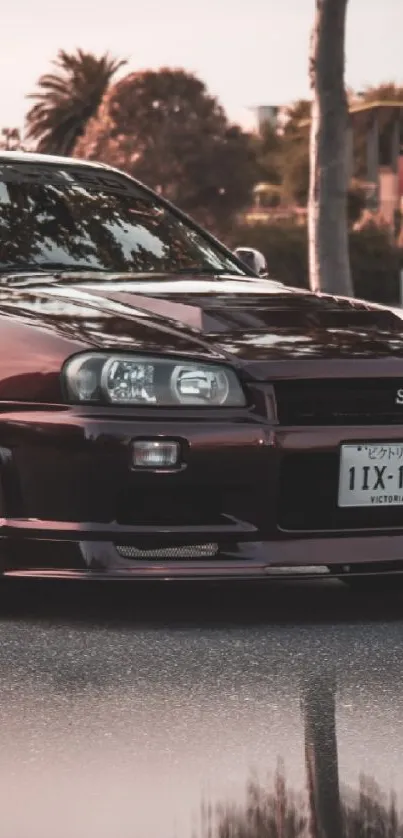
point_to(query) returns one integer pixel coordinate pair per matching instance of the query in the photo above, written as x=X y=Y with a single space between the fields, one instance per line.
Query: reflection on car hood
x=245 y=319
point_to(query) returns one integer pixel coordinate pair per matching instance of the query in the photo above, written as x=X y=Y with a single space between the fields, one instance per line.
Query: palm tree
x=66 y=99
x=329 y=264
x=10 y=139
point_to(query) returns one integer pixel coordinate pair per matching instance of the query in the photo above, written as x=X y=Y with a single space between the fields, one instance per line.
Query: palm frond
x=67 y=98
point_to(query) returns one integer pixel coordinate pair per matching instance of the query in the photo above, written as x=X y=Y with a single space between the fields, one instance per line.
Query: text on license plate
x=371 y=475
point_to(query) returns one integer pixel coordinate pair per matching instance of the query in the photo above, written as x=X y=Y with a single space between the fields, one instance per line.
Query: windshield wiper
x=50 y=267
x=207 y=272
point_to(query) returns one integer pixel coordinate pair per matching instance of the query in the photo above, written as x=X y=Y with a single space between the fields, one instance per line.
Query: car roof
x=32 y=157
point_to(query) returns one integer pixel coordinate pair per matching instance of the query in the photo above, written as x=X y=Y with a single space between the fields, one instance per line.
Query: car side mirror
x=253 y=259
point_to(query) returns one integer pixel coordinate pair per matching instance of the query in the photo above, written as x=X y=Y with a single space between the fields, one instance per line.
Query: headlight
x=132 y=380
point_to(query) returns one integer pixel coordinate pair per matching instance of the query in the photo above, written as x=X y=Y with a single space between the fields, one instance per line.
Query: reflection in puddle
x=273 y=809
x=171 y=732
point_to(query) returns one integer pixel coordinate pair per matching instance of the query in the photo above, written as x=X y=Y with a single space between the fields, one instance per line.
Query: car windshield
x=82 y=218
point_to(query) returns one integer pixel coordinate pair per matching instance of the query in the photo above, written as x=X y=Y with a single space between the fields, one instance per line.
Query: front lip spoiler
x=233 y=530
x=217 y=573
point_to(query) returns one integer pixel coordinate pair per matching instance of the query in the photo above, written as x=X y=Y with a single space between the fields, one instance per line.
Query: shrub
x=375 y=264
x=375 y=260
x=284 y=245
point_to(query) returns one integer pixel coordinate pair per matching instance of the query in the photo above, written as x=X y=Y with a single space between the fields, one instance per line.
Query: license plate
x=371 y=475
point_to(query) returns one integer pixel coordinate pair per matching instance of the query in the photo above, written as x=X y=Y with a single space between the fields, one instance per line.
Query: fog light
x=155 y=454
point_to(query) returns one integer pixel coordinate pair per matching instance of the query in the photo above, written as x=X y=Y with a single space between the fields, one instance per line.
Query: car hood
x=246 y=320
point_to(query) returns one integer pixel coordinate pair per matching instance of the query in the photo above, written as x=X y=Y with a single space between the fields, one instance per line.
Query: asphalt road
x=173 y=712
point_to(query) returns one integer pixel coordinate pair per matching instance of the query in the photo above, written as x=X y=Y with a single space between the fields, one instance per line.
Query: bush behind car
x=376 y=261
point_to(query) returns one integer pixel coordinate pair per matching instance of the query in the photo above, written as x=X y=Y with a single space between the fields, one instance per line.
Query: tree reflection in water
x=273 y=810
x=374 y=814
x=269 y=811
x=321 y=809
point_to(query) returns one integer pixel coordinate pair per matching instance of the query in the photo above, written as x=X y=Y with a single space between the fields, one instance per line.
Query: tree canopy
x=385 y=92
x=165 y=129
x=10 y=140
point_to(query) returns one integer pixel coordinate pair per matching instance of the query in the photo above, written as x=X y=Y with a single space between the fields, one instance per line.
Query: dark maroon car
x=166 y=413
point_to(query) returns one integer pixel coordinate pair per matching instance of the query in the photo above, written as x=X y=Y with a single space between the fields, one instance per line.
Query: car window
x=82 y=217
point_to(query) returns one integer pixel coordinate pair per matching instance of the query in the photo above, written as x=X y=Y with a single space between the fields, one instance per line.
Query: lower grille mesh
x=194 y=551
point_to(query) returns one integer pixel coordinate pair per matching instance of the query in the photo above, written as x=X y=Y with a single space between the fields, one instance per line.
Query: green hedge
x=375 y=261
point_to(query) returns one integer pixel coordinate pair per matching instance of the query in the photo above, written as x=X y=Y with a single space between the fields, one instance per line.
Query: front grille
x=193 y=551
x=307 y=499
x=339 y=402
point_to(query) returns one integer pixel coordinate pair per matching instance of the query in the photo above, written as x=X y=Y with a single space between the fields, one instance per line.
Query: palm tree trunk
x=321 y=757
x=329 y=264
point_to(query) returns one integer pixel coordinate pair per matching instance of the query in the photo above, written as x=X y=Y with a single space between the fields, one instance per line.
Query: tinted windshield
x=78 y=217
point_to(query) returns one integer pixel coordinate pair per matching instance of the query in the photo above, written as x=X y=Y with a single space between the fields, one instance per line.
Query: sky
x=248 y=53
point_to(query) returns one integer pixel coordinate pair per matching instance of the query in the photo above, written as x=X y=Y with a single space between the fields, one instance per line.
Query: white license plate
x=371 y=475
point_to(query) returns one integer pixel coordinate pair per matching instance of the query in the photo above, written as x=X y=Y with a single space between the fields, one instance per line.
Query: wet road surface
x=195 y=712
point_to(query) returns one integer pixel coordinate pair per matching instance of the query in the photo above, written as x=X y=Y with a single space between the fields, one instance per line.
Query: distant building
x=266 y=114
x=381 y=123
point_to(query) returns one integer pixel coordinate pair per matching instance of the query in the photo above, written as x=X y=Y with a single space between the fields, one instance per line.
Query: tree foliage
x=164 y=128
x=297 y=118
x=295 y=172
x=283 y=154
x=385 y=92
x=66 y=99
x=268 y=148
x=11 y=140
x=376 y=261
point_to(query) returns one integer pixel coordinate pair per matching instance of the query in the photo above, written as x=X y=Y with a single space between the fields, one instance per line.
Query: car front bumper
x=72 y=503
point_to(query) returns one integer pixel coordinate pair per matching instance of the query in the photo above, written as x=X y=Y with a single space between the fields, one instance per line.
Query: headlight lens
x=209 y=386
x=132 y=380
